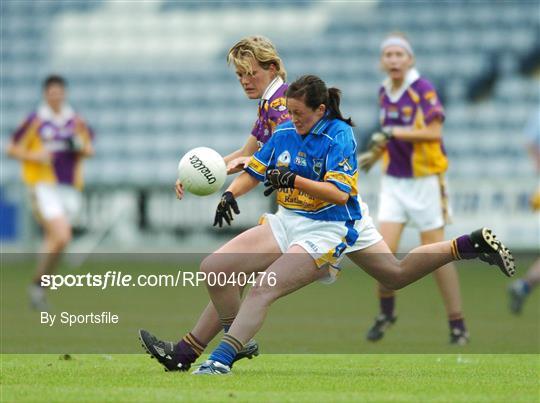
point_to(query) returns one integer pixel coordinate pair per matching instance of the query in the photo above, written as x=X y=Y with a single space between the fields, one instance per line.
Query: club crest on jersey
x=406 y=111
x=284 y=159
x=317 y=166
x=279 y=104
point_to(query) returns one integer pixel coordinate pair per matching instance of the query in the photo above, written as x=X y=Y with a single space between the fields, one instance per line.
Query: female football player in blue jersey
x=262 y=75
x=311 y=162
x=413 y=189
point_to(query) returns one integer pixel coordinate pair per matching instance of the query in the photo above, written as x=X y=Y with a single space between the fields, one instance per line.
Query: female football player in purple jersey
x=262 y=75
x=413 y=189
x=51 y=144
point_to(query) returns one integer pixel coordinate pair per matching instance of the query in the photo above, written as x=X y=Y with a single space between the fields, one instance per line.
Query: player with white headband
x=413 y=189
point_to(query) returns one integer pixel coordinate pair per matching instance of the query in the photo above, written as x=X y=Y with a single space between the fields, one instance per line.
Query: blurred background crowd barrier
x=152 y=80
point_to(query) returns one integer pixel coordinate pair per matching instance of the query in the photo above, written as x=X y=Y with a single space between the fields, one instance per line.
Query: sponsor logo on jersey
x=392 y=112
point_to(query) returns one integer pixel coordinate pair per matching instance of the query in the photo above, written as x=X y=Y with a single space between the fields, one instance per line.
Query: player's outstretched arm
x=237 y=160
x=242 y=184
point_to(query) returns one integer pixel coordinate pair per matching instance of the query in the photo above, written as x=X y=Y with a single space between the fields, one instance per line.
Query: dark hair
x=313 y=92
x=54 y=79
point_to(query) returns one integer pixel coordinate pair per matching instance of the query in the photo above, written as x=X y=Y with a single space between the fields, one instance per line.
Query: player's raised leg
x=294 y=270
x=379 y=262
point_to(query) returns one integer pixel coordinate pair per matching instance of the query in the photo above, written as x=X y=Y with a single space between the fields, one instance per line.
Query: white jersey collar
x=272 y=88
x=411 y=76
x=46 y=113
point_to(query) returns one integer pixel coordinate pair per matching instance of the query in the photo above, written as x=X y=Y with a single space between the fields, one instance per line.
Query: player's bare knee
x=398 y=280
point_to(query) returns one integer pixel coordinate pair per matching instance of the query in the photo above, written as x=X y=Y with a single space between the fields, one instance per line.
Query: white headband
x=397 y=41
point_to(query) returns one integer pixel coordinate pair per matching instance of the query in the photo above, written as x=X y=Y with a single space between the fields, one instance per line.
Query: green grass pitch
x=313 y=346
x=277 y=378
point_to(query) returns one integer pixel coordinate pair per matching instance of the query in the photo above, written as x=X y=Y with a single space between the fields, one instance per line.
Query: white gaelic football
x=202 y=171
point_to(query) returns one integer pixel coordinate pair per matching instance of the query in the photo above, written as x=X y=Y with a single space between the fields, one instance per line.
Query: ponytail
x=334 y=99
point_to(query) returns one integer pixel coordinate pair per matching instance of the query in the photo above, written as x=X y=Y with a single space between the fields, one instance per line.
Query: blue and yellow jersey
x=327 y=153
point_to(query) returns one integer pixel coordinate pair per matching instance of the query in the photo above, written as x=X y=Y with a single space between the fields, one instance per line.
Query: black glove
x=279 y=178
x=223 y=211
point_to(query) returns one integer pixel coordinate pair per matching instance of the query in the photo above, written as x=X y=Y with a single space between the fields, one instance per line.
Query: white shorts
x=325 y=241
x=51 y=200
x=368 y=234
x=422 y=202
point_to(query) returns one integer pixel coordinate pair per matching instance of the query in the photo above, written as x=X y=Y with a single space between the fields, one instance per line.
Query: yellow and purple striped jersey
x=415 y=105
x=326 y=153
x=43 y=129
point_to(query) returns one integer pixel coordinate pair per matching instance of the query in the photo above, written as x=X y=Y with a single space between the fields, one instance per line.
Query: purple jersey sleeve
x=430 y=103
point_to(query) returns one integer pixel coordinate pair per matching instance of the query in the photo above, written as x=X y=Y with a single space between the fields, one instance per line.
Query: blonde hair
x=260 y=49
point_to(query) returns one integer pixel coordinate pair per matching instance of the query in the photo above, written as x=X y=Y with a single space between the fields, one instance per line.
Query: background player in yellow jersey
x=413 y=189
x=51 y=144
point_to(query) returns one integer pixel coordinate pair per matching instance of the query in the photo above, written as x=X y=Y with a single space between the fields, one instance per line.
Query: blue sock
x=226 y=350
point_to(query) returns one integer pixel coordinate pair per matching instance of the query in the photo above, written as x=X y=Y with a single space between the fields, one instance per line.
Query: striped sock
x=463 y=248
x=226 y=323
x=189 y=349
x=226 y=350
